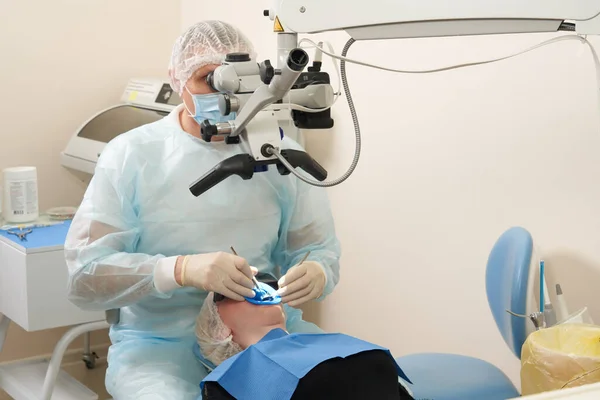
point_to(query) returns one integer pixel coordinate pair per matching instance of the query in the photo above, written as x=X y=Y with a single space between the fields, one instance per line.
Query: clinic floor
x=93 y=379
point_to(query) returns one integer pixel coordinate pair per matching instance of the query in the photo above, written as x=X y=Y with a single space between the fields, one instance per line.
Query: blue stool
x=439 y=376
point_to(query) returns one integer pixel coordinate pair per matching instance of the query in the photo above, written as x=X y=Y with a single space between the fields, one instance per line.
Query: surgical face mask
x=207 y=108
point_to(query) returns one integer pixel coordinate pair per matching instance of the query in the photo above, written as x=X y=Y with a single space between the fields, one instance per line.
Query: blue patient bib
x=272 y=368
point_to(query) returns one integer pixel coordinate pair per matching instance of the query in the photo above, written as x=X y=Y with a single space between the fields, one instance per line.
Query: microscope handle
x=301 y=159
x=240 y=164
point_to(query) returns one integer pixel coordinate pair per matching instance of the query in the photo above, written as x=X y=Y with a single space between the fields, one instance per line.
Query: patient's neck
x=255 y=335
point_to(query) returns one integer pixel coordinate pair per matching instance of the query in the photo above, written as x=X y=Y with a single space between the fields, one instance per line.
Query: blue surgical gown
x=138 y=211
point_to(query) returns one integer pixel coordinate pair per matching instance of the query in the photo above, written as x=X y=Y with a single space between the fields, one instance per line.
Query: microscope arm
x=394 y=19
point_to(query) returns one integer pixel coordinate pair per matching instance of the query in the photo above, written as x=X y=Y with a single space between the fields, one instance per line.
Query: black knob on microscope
x=207 y=130
x=237 y=57
x=266 y=71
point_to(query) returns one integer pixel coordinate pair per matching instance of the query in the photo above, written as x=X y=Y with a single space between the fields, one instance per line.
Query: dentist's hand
x=220 y=272
x=302 y=283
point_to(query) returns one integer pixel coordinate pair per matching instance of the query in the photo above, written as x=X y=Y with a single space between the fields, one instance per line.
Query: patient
x=252 y=356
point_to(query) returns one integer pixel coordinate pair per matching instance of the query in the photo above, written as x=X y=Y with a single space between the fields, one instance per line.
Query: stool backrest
x=507 y=282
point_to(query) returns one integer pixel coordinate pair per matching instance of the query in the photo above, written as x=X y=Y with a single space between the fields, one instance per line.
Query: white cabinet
x=33 y=294
x=33 y=281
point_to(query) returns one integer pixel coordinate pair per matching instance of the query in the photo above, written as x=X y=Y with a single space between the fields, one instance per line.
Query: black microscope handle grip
x=240 y=164
x=301 y=159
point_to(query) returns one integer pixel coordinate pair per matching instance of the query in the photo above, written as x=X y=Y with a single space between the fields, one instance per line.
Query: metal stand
x=59 y=352
x=4 y=324
x=20 y=379
x=89 y=357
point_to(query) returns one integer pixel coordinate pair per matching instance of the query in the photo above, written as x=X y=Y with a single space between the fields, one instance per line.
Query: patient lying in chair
x=252 y=356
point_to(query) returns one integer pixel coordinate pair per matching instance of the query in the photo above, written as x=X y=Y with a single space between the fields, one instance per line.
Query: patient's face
x=248 y=322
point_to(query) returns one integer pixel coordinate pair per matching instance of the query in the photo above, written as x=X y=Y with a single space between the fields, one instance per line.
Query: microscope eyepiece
x=210 y=80
x=297 y=60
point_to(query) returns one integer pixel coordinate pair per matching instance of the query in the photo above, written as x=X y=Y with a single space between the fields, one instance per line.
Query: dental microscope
x=256 y=91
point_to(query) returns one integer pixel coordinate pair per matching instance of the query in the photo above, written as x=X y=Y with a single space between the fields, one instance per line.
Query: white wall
x=63 y=61
x=450 y=161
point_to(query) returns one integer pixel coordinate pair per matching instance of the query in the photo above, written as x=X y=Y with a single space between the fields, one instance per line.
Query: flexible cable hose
x=343 y=59
x=276 y=152
x=581 y=39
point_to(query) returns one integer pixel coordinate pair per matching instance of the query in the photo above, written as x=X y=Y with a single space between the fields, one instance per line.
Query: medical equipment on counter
x=546 y=316
x=21 y=233
x=61 y=213
x=20 y=202
x=254 y=90
x=542 y=286
x=561 y=310
x=41 y=222
x=33 y=294
x=545 y=304
x=143 y=101
x=536 y=318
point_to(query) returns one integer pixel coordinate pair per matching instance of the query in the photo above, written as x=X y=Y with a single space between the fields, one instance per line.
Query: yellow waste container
x=562 y=356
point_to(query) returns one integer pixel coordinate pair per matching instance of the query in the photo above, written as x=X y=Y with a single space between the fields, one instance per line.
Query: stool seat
x=440 y=376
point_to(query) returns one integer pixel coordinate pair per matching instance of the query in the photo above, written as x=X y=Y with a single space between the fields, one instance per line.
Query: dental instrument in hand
x=304 y=258
x=256 y=284
x=254 y=280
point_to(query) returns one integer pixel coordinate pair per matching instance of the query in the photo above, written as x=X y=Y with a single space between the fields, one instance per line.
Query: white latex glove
x=302 y=283
x=220 y=272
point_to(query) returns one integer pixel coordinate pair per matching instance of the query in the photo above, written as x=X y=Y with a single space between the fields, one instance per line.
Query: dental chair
x=510 y=274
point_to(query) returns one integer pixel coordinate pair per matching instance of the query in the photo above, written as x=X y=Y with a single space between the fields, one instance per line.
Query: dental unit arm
x=255 y=91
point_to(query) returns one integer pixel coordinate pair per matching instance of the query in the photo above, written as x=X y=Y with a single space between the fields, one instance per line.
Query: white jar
x=20 y=202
